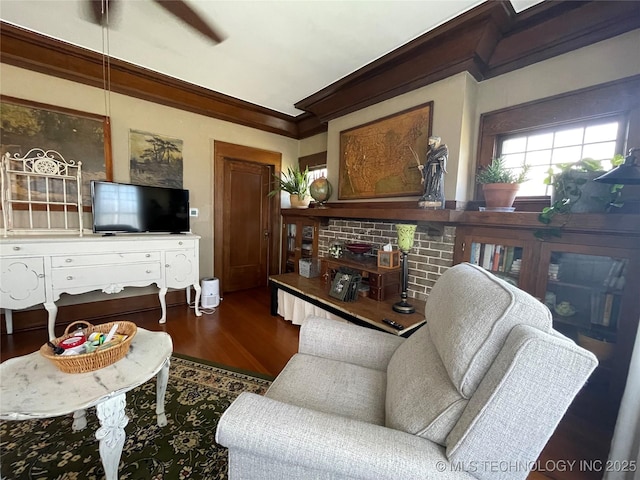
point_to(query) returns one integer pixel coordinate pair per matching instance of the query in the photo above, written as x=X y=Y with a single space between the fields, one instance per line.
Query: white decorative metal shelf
x=46 y=190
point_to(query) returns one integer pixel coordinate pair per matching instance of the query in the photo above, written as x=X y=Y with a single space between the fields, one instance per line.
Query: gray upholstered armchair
x=476 y=393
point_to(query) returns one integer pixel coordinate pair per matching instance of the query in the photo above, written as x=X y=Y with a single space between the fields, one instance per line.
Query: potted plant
x=500 y=184
x=574 y=190
x=296 y=184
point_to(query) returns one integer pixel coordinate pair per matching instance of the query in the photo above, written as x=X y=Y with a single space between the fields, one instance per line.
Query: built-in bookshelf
x=503 y=260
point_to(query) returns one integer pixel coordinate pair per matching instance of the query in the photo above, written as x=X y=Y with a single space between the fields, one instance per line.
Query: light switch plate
x=193 y=212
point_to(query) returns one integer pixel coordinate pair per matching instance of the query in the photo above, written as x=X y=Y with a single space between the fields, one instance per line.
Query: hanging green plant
x=573 y=191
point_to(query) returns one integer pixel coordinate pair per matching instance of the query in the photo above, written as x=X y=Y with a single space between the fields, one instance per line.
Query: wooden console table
x=364 y=311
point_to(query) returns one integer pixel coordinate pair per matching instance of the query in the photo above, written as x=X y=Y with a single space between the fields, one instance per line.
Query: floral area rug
x=197 y=394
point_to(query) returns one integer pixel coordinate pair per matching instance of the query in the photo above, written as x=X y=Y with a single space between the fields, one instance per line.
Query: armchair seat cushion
x=333 y=387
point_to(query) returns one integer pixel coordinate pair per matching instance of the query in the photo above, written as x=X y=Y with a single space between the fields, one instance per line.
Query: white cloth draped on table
x=625 y=447
x=295 y=309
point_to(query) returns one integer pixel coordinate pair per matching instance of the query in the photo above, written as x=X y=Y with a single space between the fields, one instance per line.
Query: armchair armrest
x=285 y=434
x=346 y=342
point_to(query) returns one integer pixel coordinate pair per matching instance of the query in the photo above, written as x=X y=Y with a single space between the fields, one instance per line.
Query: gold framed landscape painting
x=377 y=159
x=76 y=135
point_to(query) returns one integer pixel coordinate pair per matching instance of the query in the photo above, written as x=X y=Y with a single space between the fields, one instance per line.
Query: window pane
x=538 y=142
x=317 y=173
x=513 y=160
x=601 y=133
x=535 y=185
x=541 y=157
x=599 y=151
x=567 y=154
x=513 y=145
x=565 y=138
x=541 y=150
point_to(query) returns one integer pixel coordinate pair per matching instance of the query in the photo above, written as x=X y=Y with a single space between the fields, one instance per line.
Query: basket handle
x=68 y=329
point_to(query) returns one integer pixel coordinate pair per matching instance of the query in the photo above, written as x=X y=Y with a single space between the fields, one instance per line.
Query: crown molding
x=30 y=50
x=486 y=41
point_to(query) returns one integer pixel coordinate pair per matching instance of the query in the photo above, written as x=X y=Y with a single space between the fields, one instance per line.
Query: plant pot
x=585 y=195
x=299 y=202
x=500 y=195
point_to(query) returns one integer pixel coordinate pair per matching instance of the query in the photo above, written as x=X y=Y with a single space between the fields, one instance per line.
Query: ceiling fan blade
x=184 y=12
x=100 y=12
x=97 y=14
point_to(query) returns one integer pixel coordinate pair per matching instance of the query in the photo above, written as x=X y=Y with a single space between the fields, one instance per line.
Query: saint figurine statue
x=433 y=174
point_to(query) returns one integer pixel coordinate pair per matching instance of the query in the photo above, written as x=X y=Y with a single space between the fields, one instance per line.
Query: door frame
x=222 y=150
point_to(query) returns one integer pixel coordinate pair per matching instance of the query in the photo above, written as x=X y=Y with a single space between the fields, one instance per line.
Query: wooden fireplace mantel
x=409 y=212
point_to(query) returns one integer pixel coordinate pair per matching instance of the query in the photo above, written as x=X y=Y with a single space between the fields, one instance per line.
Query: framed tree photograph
x=77 y=136
x=155 y=160
x=381 y=158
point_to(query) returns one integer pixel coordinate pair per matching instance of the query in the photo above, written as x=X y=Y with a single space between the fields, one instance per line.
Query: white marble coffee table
x=32 y=387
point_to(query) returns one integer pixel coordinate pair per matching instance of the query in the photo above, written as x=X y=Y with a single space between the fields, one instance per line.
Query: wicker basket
x=88 y=362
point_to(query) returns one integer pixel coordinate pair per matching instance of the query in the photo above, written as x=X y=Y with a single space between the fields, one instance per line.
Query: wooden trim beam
x=486 y=41
x=26 y=49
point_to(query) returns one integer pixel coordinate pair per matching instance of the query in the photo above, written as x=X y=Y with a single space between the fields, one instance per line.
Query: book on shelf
x=495 y=264
x=616 y=273
x=508 y=260
x=493 y=257
x=487 y=258
x=605 y=308
x=474 y=255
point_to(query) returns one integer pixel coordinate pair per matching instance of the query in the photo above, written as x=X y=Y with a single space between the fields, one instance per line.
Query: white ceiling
x=276 y=52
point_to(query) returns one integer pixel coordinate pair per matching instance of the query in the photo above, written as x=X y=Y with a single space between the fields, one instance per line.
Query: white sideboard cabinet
x=39 y=268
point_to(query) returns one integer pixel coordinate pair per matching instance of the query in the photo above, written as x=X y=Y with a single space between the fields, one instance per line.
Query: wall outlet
x=193 y=212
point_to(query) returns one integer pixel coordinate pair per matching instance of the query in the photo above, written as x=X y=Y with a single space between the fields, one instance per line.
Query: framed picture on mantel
x=378 y=159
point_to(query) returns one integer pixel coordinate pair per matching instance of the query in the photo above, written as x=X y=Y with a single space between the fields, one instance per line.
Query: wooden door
x=246 y=223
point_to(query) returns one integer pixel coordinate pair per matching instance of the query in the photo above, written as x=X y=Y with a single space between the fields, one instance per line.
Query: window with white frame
x=542 y=149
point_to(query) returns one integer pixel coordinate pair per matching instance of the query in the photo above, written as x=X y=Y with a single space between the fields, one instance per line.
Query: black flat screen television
x=125 y=208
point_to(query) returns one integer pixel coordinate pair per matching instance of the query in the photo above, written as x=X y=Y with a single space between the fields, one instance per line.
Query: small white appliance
x=210 y=295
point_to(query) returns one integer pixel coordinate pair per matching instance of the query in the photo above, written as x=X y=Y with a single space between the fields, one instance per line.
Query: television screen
x=119 y=207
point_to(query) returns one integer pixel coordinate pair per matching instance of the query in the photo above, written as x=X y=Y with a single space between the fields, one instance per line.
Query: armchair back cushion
x=421 y=399
x=470 y=312
x=431 y=376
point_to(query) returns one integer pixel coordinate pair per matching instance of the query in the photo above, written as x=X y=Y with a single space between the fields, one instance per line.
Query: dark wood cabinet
x=589 y=282
x=299 y=240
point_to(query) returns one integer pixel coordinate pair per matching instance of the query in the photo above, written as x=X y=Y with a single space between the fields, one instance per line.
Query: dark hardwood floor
x=243 y=334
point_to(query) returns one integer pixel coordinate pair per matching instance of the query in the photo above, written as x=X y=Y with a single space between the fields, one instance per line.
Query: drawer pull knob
x=167 y=265
x=179 y=243
x=16 y=248
x=68 y=260
x=69 y=277
x=148 y=255
x=148 y=271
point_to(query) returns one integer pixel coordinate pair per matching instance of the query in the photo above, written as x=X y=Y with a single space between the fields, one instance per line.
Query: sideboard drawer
x=104 y=259
x=107 y=274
